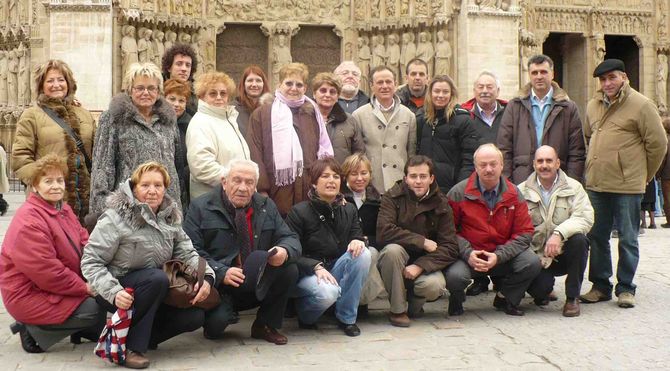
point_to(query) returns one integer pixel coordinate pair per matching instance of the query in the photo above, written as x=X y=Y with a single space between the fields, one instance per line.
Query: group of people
x=300 y=204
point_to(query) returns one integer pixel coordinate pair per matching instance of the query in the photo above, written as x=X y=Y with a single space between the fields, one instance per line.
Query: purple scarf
x=288 y=160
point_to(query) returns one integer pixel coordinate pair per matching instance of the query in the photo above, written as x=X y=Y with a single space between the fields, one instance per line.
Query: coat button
x=383 y=145
x=397 y=127
x=383 y=165
x=255 y=236
x=595 y=157
x=379 y=127
x=395 y=166
x=394 y=146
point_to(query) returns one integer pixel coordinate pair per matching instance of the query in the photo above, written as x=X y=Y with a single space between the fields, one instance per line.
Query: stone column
x=280 y=35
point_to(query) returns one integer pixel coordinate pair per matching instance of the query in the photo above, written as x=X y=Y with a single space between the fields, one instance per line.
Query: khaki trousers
x=427 y=287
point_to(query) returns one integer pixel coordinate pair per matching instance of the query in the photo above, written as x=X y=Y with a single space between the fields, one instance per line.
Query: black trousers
x=270 y=309
x=154 y=322
x=571 y=262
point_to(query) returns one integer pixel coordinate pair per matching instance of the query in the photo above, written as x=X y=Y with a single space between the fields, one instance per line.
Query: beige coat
x=388 y=144
x=569 y=211
x=626 y=143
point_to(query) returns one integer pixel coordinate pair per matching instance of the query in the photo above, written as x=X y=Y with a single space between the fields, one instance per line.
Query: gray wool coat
x=129 y=237
x=124 y=141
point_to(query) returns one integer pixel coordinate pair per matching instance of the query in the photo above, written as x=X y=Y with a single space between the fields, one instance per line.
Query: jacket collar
x=123 y=111
x=37 y=200
x=559 y=94
x=214 y=202
x=624 y=93
x=506 y=190
x=400 y=189
x=337 y=115
x=561 y=187
x=371 y=193
x=224 y=113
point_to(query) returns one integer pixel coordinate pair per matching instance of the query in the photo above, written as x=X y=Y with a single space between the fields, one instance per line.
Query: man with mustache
x=486 y=110
x=351 y=97
x=494 y=233
x=542 y=114
x=562 y=215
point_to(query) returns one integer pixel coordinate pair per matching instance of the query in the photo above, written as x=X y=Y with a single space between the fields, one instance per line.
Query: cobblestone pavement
x=603 y=337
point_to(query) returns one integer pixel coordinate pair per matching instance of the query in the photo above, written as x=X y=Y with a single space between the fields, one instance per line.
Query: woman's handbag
x=181 y=290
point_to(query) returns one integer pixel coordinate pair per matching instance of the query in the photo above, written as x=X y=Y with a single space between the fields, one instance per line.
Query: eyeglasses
x=152 y=89
x=290 y=84
x=328 y=91
x=219 y=93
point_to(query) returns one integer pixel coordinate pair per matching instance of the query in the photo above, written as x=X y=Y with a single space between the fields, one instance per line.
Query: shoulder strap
x=71 y=133
x=74 y=246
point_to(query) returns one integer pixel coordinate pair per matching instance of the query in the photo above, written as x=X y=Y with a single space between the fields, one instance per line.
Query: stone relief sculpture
x=421 y=7
x=143 y=43
x=364 y=55
x=176 y=7
x=393 y=53
x=662 y=83
x=425 y=51
x=128 y=49
x=170 y=39
x=12 y=78
x=404 y=7
x=599 y=48
x=375 y=9
x=407 y=52
x=198 y=46
x=23 y=77
x=442 y=55
x=159 y=46
x=14 y=11
x=390 y=8
x=281 y=55
x=379 y=56
x=3 y=77
x=184 y=38
x=164 y=6
x=148 y=5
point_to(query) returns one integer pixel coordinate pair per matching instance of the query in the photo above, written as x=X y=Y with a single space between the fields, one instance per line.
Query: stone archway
x=626 y=49
x=318 y=47
x=568 y=50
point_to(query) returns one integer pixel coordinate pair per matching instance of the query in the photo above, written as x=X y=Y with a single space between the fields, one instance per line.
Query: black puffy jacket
x=325 y=231
x=367 y=213
x=450 y=144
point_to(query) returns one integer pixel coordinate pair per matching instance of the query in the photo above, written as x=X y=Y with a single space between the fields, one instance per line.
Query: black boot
x=456 y=300
x=27 y=342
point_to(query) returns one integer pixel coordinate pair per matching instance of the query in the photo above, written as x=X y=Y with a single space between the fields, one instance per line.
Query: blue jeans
x=625 y=208
x=312 y=298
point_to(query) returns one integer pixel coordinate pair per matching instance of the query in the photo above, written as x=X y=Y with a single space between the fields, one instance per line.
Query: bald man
x=562 y=215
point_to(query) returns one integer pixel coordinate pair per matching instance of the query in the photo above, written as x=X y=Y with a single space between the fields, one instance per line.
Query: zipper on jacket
x=238 y=137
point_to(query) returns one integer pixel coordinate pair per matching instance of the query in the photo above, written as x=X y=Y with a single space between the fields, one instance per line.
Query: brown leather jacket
x=407 y=221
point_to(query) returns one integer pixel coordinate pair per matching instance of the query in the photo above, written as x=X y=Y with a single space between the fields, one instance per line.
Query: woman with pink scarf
x=286 y=138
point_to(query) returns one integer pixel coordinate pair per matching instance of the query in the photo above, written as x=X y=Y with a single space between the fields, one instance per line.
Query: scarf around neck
x=288 y=157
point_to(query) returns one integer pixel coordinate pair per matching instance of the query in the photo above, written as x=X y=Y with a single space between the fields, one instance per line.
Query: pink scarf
x=286 y=149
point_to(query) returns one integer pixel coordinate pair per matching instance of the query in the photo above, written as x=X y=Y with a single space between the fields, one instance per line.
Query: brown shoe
x=136 y=360
x=399 y=319
x=571 y=308
x=595 y=296
x=268 y=334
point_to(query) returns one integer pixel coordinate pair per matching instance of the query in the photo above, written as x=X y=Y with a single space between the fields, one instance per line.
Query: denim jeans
x=625 y=208
x=313 y=298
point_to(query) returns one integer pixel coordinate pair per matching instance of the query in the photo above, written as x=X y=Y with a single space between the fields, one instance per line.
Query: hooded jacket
x=129 y=237
x=517 y=138
x=408 y=221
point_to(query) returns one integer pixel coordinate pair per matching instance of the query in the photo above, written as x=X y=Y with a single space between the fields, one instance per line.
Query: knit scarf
x=240 y=217
x=286 y=148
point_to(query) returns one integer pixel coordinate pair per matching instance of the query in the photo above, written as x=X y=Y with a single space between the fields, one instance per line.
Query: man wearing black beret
x=626 y=146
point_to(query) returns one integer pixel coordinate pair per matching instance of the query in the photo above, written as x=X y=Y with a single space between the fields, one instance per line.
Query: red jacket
x=40 y=278
x=505 y=230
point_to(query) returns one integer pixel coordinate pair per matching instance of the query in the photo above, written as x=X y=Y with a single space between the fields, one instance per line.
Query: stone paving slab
x=604 y=337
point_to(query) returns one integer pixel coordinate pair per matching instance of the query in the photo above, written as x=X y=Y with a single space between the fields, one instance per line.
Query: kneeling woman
x=334 y=263
x=138 y=233
x=40 y=279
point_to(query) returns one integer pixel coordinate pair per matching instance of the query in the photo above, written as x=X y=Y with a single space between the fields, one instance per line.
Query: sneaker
x=665 y=225
x=595 y=296
x=626 y=300
x=641 y=232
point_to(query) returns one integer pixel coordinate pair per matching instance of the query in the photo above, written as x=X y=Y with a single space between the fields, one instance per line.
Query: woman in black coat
x=335 y=262
x=445 y=134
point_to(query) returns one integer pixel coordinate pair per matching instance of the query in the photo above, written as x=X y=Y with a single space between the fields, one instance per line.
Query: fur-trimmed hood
x=122 y=110
x=136 y=214
x=559 y=94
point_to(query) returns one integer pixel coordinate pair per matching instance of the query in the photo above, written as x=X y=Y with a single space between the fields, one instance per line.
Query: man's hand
x=123 y=300
x=279 y=257
x=429 y=245
x=553 y=246
x=356 y=247
x=412 y=271
x=203 y=292
x=482 y=261
x=234 y=277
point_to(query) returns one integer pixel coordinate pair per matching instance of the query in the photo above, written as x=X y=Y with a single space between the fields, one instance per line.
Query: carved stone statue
x=442 y=55
x=23 y=77
x=662 y=83
x=281 y=55
x=144 y=48
x=379 y=55
x=599 y=48
x=184 y=38
x=159 y=47
x=13 y=11
x=170 y=39
x=390 y=8
x=12 y=78
x=128 y=49
x=197 y=45
x=425 y=51
x=407 y=52
x=3 y=77
x=164 y=6
x=393 y=53
x=364 y=55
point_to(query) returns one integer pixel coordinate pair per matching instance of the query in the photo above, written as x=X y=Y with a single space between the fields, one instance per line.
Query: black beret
x=609 y=65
